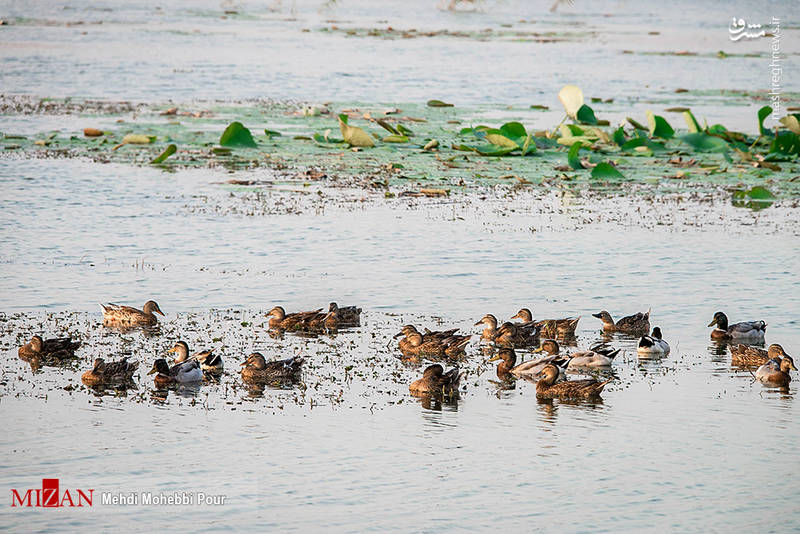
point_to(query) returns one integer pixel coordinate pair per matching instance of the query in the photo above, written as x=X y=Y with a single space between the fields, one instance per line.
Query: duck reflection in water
x=548 y=407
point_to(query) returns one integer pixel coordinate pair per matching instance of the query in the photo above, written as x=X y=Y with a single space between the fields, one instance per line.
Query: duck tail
x=611 y=355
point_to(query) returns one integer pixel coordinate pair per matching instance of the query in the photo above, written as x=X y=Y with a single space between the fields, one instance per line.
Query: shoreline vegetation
x=430 y=149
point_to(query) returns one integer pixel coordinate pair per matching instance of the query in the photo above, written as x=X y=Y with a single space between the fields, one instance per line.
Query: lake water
x=686 y=443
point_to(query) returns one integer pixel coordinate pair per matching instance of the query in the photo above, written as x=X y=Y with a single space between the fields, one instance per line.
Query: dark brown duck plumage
x=747 y=355
x=551 y=328
x=293 y=321
x=257 y=370
x=435 y=381
x=127 y=316
x=60 y=348
x=432 y=344
x=109 y=373
x=573 y=389
x=638 y=323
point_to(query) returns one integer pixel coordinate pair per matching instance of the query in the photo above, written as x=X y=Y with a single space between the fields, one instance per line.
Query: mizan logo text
x=48 y=496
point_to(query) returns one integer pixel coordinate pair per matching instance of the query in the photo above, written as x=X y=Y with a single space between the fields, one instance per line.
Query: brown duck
x=109 y=373
x=551 y=328
x=573 y=389
x=257 y=370
x=126 y=316
x=346 y=315
x=776 y=371
x=517 y=335
x=746 y=355
x=638 y=323
x=61 y=348
x=280 y=320
x=435 y=381
x=433 y=344
x=531 y=368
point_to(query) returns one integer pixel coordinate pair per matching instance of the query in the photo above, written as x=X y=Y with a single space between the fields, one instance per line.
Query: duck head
x=151 y=307
x=37 y=344
x=98 y=366
x=721 y=320
x=255 y=361
x=548 y=375
x=550 y=346
x=489 y=320
x=333 y=307
x=277 y=312
x=787 y=363
x=433 y=371
x=181 y=349
x=776 y=351
x=604 y=316
x=406 y=330
x=160 y=366
x=524 y=315
x=656 y=333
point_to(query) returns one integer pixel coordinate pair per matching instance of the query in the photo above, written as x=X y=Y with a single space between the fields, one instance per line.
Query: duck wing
x=748 y=327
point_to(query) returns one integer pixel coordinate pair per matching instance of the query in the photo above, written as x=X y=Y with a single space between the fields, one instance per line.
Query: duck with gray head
x=638 y=323
x=746 y=331
x=435 y=381
x=747 y=355
x=574 y=389
x=180 y=373
x=54 y=349
x=776 y=371
x=110 y=373
x=257 y=370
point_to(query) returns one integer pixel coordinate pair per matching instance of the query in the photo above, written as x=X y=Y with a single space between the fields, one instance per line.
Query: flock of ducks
x=550 y=370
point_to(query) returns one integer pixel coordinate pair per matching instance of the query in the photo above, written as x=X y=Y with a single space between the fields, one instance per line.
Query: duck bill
x=173 y=349
x=712 y=323
x=158 y=311
x=540 y=349
x=517 y=316
x=597 y=315
x=153 y=370
x=399 y=334
x=494 y=358
x=479 y=323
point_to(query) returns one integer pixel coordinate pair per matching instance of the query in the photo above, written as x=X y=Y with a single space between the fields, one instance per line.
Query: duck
x=550 y=328
x=109 y=373
x=653 y=344
x=435 y=381
x=432 y=344
x=517 y=335
x=638 y=323
x=598 y=356
x=257 y=370
x=127 y=316
x=548 y=386
x=209 y=362
x=527 y=369
x=60 y=348
x=489 y=333
x=188 y=371
x=747 y=331
x=347 y=315
x=281 y=321
x=776 y=371
x=320 y=322
x=746 y=355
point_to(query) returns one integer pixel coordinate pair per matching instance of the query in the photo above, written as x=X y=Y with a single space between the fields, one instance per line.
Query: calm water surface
x=687 y=443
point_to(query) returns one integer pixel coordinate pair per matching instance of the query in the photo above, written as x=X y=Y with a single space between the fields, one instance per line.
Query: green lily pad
x=763 y=113
x=572 y=156
x=604 y=170
x=585 y=115
x=691 y=122
x=757 y=198
x=705 y=143
x=271 y=133
x=659 y=127
x=237 y=135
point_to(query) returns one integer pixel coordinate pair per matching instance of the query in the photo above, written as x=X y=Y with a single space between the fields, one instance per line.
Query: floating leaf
x=137 y=139
x=619 y=136
x=691 y=122
x=92 y=132
x=606 y=170
x=405 y=131
x=271 y=133
x=585 y=115
x=792 y=122
x=705 y=143
x=388 y=127
x=757 y=198
x=486 y=150
x=237 y=135
x=394 y=138
x=572 y=157
x=170 y=150
x=659 y=127
x=499 y=139
x=219 y=151
x=526 y=146
x=571 y=97
x=785 y=146
x=438 y=104
x=354 y=135
x=540 y=107
x=763 y=113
